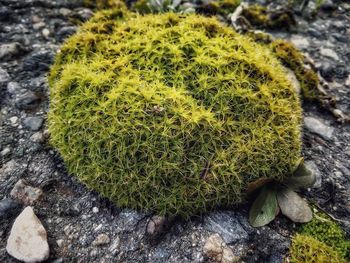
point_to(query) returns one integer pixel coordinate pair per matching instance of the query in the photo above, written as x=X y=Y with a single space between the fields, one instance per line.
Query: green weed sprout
x=170 y=113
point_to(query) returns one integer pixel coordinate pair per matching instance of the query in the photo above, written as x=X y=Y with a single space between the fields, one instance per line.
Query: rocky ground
x=83 y=227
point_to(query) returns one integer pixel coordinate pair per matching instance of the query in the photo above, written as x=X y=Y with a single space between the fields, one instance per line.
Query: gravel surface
x=84 y=227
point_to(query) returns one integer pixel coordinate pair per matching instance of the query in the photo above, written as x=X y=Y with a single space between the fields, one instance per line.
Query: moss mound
x=171 y=113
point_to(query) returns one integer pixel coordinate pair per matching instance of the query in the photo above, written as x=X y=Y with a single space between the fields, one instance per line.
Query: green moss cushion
x=175 y=114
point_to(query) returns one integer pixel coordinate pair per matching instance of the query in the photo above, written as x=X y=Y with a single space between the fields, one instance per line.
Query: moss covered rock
x=175 y=114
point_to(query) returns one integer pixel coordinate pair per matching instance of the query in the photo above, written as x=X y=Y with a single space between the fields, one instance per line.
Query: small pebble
x=25 y=193
x=329 y=53
x=6 y=151
x=101 y=239
x=37 y=137
x=33 y=123
x=28 y=238
x=13 y=120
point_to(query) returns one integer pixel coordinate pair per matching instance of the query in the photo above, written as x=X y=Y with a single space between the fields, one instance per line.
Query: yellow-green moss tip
x=306 y=249
x=325 y=230
x=171 y=113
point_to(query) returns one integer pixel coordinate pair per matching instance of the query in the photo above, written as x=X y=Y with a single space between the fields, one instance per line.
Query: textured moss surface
x=325 y=230
x=306 y=249
x=171 y=113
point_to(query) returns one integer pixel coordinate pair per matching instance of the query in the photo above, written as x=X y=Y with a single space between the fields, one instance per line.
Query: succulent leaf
x=293 y=206
x=264 y=208
x=303 y=177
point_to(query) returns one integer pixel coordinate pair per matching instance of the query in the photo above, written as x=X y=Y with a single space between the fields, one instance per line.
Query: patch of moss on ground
x=216 y=7
x=330 y=233
x=175 y=114
x=292 y=58
x=105 y=4
x=142 y=7
x=306 y=249
x=260 y=17
x=219 y=7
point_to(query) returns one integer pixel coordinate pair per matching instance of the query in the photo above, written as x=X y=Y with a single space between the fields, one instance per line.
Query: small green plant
x=171 y=113
x=306 y=249
x=280 y=196
x=330 y=233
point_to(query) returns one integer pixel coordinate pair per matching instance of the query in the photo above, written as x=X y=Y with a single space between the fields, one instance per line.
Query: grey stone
x=14 y=88
x=38 y=62
x=4 y=76
x=227 y=225
x=158 y=224
x=114 y=247
x=318 y=127
x=8 y=208
x=85 y=14
x=66 y=31
x=339 y=37
x=37 y=137
x=39 y=25
x=101 y=239
x=45 y=32
x=328 y=5
x=300 y=41
x=6 y=14
x=315 y=33
x=28 y=238
x=274 y=245
x=347 y=81
x=27 y=100
x=5 y=152
x=14 y=120
x=293 y=80
x=327 y=71
x=341 y=70
x=8 y=51
x=313 y=167
x=25 y=193
x=128 y=219
x=33 y=123
x=216 y=250
x=64 y=11
x=329 y=53
x=58 y=260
